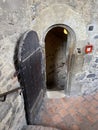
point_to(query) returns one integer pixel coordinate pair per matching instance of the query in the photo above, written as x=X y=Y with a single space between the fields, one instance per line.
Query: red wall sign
x=88 y=49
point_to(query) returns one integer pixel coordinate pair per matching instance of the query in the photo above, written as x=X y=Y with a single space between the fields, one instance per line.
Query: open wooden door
x=31 y=73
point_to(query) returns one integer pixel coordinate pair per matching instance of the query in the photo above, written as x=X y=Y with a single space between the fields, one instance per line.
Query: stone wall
x=78 y=15
x=17 y=16
x=86 y=78
x=88 y=9
x=15 y=19
x=62 y=14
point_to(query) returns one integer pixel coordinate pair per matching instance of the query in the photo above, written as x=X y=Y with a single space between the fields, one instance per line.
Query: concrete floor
x=69 y=113
x=55 y=94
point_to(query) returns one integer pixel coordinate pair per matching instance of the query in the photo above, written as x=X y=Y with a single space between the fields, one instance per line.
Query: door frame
x=70 y=53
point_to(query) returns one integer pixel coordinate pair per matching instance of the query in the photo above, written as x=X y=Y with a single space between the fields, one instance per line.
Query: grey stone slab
x=96 y=60
x=39 y=127
x=91 y=76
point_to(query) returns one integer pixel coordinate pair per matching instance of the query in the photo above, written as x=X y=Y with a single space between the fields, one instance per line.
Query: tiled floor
x=70 y=113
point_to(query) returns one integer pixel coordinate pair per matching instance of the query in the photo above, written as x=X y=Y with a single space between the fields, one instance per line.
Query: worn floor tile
x=70 y=113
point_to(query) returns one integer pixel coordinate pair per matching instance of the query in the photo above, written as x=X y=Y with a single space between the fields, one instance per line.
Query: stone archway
x=59 y=48
x=65 y=16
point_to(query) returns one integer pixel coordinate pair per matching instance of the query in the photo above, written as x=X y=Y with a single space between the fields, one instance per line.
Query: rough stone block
x=96 y=60
x=91 y=76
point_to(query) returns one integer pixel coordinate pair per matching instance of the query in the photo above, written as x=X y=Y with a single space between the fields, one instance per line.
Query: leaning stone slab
x=37 y=127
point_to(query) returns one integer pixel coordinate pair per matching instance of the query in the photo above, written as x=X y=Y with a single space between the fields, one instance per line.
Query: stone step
x=37 y=127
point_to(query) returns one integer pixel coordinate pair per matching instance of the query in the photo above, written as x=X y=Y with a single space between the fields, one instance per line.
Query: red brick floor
x=70 y=113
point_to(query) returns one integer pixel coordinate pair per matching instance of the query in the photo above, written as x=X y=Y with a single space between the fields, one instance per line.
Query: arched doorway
x=59 y=48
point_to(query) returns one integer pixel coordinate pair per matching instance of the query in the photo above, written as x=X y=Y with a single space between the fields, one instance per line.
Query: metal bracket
x=4 y=95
